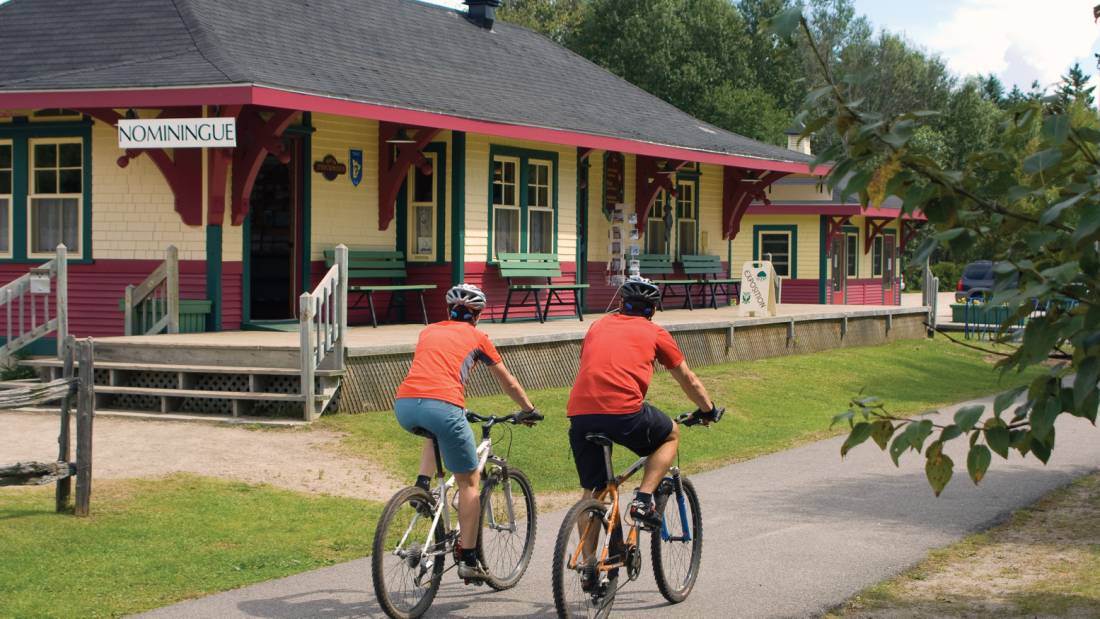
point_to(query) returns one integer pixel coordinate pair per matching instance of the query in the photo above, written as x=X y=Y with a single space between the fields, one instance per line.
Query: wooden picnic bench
x=660 y=268
x=710 y=276
x=543 y=267
x=366 y=267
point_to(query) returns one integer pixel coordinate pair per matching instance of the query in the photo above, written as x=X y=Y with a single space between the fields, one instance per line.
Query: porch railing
x=153 y=306
x=26 y=305
x=930 y=291
x=322 y=325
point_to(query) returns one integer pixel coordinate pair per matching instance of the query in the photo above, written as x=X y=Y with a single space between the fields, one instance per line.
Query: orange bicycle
x=590 y=549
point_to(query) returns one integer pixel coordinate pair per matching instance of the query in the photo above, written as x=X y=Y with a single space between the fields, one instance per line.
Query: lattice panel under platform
x=212 y=382
x=278 y=384
x=145 y=380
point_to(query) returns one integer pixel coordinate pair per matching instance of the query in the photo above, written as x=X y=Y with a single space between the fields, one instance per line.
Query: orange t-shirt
x=445 y=354
x=617 y=365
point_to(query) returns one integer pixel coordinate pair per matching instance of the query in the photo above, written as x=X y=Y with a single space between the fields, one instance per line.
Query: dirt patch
x=1041 y=563
x=300 y=459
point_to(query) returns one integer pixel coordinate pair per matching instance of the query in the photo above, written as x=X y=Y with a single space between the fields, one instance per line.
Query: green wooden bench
x=366 y=267
x=660 y=268
x=711 y=277
x=543 y=267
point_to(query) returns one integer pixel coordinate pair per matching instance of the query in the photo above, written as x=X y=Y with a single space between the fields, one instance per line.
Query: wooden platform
x=241 y=373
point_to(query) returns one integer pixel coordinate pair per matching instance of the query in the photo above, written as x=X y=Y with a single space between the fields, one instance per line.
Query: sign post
x=758 y=283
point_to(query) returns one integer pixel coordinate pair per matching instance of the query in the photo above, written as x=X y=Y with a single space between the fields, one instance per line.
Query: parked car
x=977 y=280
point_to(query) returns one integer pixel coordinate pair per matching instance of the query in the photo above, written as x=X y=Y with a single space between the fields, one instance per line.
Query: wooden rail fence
x=76 y=384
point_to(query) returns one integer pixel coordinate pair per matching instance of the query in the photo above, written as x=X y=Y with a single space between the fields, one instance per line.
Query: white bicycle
x=415 y=533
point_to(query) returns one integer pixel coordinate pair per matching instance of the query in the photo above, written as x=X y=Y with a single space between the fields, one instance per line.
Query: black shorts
x=641 y=432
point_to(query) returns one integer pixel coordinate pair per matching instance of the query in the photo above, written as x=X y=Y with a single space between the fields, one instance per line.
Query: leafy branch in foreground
x=1036 y=192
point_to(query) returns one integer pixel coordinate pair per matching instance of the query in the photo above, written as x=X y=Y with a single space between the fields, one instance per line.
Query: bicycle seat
x=597 y=438
x=422 y=432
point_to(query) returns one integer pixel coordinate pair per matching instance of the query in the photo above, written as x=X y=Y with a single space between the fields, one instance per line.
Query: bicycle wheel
x=580 y=590
x=678 y=545
x=405 y=573
x=509 y=520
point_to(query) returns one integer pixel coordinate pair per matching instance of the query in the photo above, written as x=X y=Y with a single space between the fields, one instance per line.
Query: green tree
x=1038 y=193
x=557 y=19
x=1075 y=87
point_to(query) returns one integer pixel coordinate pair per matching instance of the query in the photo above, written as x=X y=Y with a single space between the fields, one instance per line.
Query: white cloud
x=1019 y=40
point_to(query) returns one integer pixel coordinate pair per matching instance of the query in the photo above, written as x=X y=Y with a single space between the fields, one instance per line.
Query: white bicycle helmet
x=466 y=295
x=640 y=289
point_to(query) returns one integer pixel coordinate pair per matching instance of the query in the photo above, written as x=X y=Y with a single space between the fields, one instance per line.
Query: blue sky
x=1017 y=40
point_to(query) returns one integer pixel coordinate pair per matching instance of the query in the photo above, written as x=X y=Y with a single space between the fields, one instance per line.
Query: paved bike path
x=786 y=535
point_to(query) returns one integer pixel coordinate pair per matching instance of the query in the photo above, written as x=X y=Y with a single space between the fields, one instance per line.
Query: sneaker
x=645 y=515
x=472 y=574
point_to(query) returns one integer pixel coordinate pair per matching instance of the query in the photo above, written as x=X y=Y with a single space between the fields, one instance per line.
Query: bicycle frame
x=610 y=494
x=442 y=511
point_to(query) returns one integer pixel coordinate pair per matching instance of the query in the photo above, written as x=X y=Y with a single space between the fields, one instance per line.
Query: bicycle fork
x=681 y=503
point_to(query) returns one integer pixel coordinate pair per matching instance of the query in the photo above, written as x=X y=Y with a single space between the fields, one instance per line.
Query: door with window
x=272 y=241
x=890 y=287
x=838 y=268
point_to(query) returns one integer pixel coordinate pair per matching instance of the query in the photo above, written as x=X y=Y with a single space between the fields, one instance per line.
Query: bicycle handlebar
x=516 y=418
x=697 y=417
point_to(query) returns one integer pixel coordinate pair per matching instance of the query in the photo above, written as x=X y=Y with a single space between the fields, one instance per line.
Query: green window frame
x=877 y=256
x=46 y=184
x=523 y=187
x=766 y=233
x=851 y=253
x=6 y=165
x=686 y=211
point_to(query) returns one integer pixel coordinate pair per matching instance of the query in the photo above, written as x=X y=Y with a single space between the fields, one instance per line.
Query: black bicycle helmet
x=640 y=296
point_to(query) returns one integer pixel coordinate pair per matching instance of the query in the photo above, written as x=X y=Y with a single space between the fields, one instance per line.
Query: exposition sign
x=757 y=281
x=177 y=133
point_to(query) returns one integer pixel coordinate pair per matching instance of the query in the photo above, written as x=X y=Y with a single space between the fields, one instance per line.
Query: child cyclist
x=432 y=398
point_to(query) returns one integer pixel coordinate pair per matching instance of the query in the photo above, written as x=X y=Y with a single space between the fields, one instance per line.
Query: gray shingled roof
x=398 y=53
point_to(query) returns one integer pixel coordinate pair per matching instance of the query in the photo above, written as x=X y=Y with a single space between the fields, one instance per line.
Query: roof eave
x=244 y=94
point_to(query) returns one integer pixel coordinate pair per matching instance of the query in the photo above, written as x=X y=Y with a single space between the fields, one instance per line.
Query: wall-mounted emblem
x=329 y=168
x=356 y=158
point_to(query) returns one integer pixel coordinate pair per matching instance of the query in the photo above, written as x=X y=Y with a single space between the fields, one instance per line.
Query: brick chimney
x=482 y=12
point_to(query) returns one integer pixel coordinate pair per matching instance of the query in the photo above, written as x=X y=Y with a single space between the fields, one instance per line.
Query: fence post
x=67 y=348
x=128 y=308
x=62 y=265
x=341 y=304
x=306 y=312
x=172 y=275
x=85 y=415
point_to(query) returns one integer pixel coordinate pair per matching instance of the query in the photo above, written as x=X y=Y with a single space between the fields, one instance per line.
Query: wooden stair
x=213 y=381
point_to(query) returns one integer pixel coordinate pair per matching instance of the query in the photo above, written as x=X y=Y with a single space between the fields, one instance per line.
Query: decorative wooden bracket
x=182 y=171
x=256 y=138
x=908 y=230
x=217 y=172
x=872 y=228
x=834 y=228
x=648 y=181
x=740 y=187
x=392 y=170
x=582 y=160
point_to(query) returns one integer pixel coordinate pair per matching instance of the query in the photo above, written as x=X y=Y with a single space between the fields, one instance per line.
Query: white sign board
x=758 y=281
x=177 y=133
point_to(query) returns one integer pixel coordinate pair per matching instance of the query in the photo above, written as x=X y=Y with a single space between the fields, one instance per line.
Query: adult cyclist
x=608 y=395
x=432 y=398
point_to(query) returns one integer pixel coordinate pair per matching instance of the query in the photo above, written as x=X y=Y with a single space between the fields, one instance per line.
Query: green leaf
x=1088 y=373
x=1042 y=160
x=950 y=432
x=938 y=469
x=977 y=462
x=860 y=432
x=997 y=437
x=1053 y=212
x=1088 y=225
x=967 y=416
x=881 y=431
x=917 y=432
x=784 y=24
x=1043 y=417
x=1005 y=399
x=900 y=444
x=1056 y=128
x=1041 y=450
x=949 y=235
x=845 y=416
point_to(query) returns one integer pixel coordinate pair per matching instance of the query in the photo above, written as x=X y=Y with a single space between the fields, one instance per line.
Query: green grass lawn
x=773 y=404
x=151 y=543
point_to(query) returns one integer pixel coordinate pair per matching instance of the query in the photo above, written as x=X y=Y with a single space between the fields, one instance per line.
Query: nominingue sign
x=177 y=133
